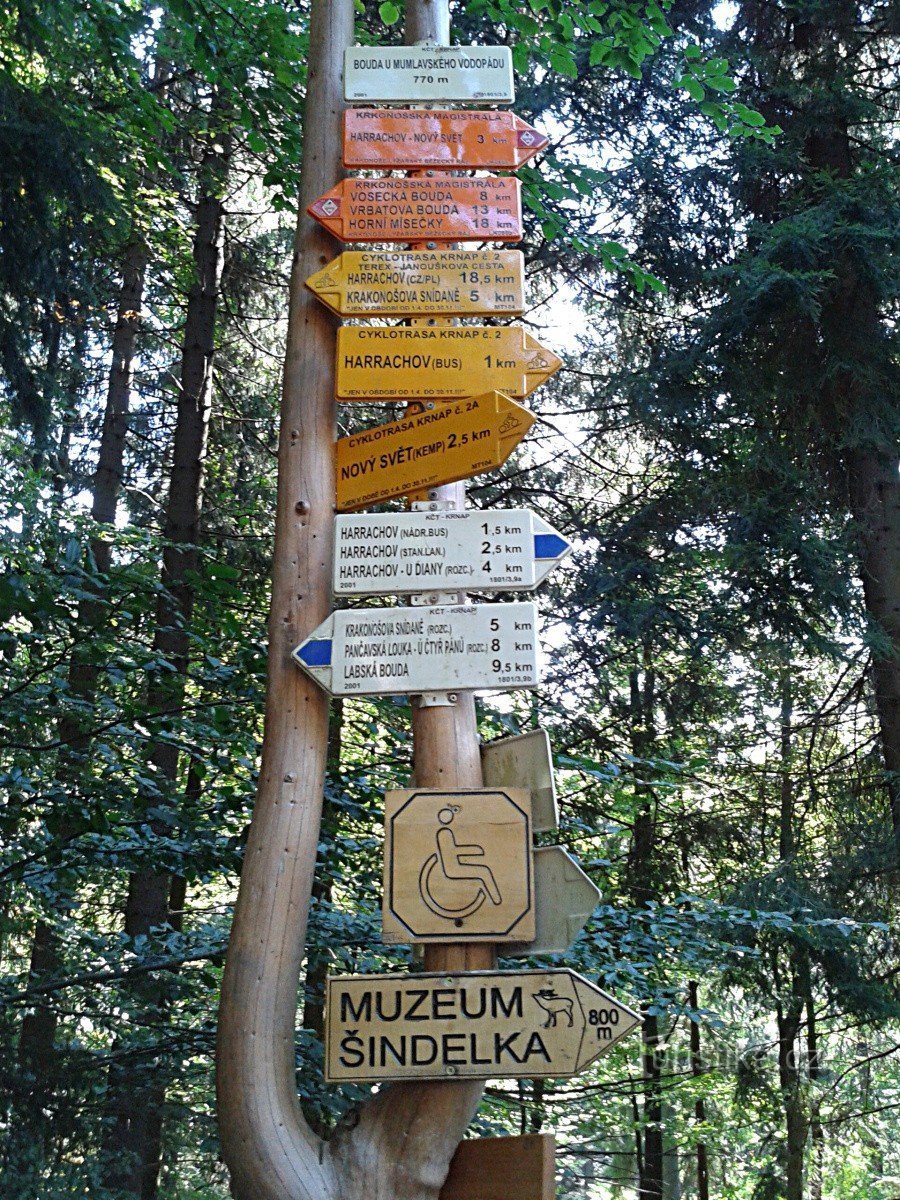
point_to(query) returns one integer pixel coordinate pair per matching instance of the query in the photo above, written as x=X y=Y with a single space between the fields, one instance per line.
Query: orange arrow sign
x=398 y=362
x=410 y=283
x=436 y=210
x=382 y=139
x=445 y=443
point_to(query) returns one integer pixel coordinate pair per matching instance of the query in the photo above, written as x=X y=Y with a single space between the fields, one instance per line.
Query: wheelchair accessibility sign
x=458 y=866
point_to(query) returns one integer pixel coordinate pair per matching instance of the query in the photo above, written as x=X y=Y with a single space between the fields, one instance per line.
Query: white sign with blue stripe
x=410 y=651
x=498 y=550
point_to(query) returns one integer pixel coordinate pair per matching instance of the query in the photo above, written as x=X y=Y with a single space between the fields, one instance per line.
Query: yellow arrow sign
x=445 y=443
x=399 y=363
x=409 y=283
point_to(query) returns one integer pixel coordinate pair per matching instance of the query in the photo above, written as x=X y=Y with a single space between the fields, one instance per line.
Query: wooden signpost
x=411 y=651
x=478 y=1025
x=411 y=74
x=446 y=362
x=458 y=865
x=404 y=283
x=444 y=443
x=507 y=550
x=436 y=209
x=404 y=138
x=451 y=861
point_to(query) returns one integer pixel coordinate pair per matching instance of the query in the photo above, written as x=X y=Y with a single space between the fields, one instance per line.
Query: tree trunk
x=817 y=1131
x=789 y=1008
x=874 y=492
x=788 y=1020
x=401 y=1145
x=699 y=1103
x=652 y=1167
x=850 y=320
x=137 y=1106
x=644 y=886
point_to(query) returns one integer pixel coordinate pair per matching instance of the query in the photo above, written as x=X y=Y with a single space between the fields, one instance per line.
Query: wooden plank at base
x=503 y=1168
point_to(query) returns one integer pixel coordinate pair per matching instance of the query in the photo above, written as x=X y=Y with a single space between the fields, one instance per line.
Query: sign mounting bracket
x=434 y=700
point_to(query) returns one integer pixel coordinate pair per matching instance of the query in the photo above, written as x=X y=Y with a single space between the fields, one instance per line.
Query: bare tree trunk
x=789 y=1008
x=402 y=1143
x=699 y=1104
x=644 y=886
x=788 y=1020
x=817 y=1130
x=651 y=1175
x=137 y=1105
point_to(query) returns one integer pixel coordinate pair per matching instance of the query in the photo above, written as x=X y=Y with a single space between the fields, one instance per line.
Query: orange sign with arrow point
x=398 y=362
x=434 y=210
x=442 y=444
x=378 y=138
x=415 y=283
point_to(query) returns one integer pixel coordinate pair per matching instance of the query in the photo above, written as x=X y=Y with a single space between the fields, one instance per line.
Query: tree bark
x=137 y=1108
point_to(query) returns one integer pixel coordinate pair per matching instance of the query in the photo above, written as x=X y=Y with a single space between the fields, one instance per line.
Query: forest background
x=712 y=242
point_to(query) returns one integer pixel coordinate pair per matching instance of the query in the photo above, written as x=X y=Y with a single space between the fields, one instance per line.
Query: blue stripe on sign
x=549 y=545
x=316 y=653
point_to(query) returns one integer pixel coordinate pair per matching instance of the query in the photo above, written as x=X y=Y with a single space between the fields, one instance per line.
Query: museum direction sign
x=437 y=209
x=394 y=651
x=445 y=443
x=445 y=362
x=412 y=74
x=417 y=283
x=458 y=866
x=506 y=550
x=406 y=139
x=478 y=1025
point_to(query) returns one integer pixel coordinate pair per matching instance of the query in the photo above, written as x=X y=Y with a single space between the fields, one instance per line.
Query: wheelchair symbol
x=450 y=883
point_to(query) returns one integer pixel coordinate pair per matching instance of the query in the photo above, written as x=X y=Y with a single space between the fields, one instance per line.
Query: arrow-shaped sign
x=446 y=362
x=449 y=442
x=525 y=761
x=439 y=209
x=409 y=651
x=479 y=1025
x=565 y=899
x=507 y=550
x=404 y=283
x=404 y=139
